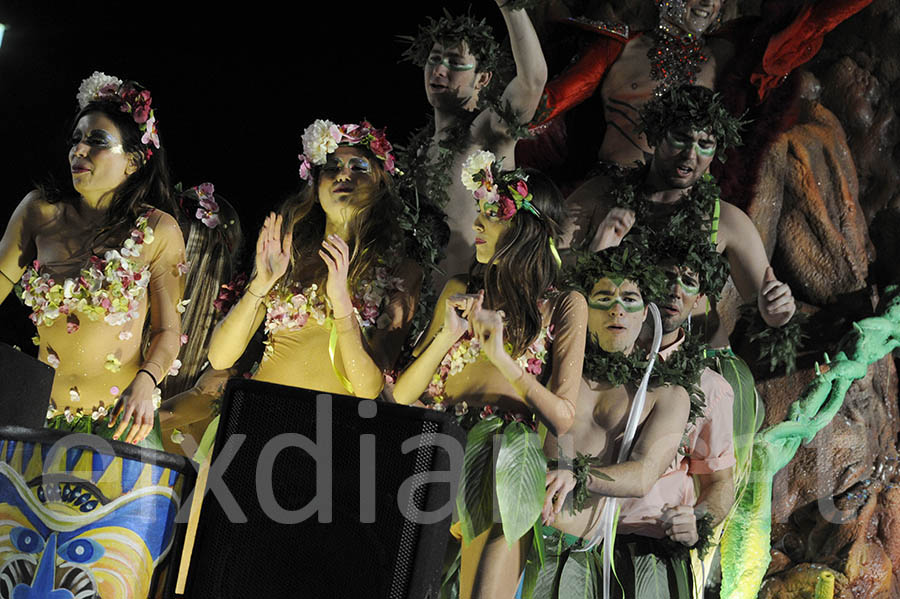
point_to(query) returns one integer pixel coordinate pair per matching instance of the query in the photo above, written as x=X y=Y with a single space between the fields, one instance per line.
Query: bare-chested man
x=688 y=127
x=459 y=55
x=619 y=283
x=629 y=68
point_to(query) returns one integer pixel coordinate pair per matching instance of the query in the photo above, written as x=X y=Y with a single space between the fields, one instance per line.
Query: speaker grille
x=346 y=557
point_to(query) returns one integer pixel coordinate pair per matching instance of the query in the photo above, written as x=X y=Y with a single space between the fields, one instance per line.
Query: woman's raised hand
x=336 y=255
x=273 y=254
x=457 y=310
x=487 y=327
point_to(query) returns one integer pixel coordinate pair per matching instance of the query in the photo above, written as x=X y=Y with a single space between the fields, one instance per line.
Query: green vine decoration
x=746 y=541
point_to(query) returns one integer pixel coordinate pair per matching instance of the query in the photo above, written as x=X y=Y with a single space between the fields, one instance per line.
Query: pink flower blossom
x=71 y=326
x=535 y=366
x=206 y=189
x=150 y=134
x=507 y=208
x=521 y=188
x=184 y=338
x=176 y=366
x=305 y=167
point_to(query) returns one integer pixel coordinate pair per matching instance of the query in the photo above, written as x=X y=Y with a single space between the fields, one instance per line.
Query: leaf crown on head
x=452 y=30
x=131 y=97
x=631 y=260
x=323 y=137
x=694 y=107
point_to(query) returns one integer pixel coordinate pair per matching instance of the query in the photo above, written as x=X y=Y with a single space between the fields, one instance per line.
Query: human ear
x=701 y=297
x=134 y=163
x=483 y=79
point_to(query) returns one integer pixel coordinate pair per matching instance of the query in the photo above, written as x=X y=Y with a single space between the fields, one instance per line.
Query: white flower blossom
x=479 y=161
x=318 y=141
x=89 y=90
x=69 y=288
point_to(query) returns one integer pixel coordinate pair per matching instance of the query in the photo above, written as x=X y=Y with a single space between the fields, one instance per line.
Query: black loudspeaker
x=25 y=385
x=382 y=533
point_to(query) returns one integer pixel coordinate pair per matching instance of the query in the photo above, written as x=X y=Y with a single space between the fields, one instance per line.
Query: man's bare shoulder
x=734 y=224
x=586 y=206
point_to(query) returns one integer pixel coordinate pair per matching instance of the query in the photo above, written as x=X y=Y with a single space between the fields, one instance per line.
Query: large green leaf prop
x=475 y=500
x=521 y=480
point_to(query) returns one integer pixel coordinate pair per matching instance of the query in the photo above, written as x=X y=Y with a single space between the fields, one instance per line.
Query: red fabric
x=581 y=80
x=800 y=41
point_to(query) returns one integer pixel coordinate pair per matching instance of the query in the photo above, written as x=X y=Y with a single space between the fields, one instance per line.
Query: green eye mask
x=435 y=61
x=631 y=308
x=685 y=287
x=680 y=145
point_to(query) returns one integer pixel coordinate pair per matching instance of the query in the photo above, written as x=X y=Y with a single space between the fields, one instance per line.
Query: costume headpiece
x=694 y=107
x=505 y=191
x=691 y=248
x=630 y=260
x=449 y=29
x=131 y=98
x=207 y=208
x=323 y=137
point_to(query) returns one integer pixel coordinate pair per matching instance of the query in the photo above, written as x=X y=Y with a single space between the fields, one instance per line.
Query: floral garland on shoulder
x=110 y=287
x=468 y=349
x=290 y=306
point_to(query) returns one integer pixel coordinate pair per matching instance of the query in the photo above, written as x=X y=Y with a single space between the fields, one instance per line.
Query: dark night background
x=233 y=88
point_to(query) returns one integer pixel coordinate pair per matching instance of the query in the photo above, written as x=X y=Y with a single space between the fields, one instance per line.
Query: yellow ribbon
x=332 y=345
x=555 y=253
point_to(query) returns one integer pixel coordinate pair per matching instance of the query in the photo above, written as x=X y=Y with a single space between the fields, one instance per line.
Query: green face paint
x=629 y=306
x=707 y=150
x=688 y=282
x=604 y=299
x=436 y=59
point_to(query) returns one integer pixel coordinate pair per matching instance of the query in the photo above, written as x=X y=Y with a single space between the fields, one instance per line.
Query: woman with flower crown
x=328 y=281
x=99 y=266
x=504 y=351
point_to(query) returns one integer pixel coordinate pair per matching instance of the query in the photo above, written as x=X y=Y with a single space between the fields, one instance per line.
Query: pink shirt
x=708 y=443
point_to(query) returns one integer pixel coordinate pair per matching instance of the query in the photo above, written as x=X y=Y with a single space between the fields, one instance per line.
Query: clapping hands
x=466 y=312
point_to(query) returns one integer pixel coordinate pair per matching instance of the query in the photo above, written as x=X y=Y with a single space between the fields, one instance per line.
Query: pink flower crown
x=323 y=137
x=504 y=192
x=100 y=87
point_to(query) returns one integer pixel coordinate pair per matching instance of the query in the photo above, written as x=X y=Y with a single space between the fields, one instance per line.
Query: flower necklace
x=289 y=307
x=467 y=350
x=674 y=60
x=110 y=287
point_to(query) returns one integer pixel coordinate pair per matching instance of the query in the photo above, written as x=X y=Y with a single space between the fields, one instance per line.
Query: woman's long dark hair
x=523 y=267
x=148 y=186
x=212 y=255
x=374 y=229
